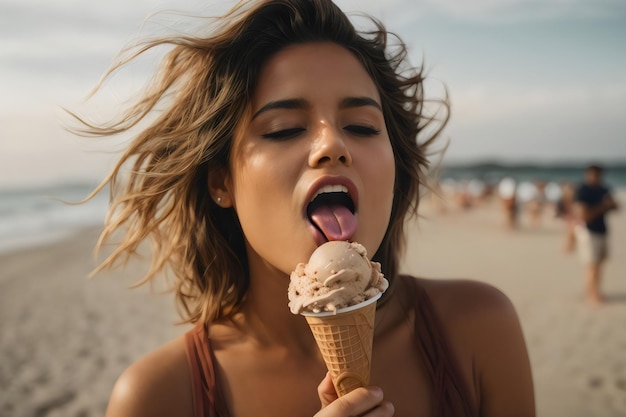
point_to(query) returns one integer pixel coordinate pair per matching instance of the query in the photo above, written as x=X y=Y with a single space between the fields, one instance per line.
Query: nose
x=329 y=148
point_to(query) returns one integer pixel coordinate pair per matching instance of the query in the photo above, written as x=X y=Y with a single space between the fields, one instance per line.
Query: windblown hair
x=202 y=89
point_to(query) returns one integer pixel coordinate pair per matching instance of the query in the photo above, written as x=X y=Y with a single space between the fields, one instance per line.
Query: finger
x=384 y=409
x=326 y=391
x=357 y=402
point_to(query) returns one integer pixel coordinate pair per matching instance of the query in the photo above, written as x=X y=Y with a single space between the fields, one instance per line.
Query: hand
x=609 y=203
x=363 y=402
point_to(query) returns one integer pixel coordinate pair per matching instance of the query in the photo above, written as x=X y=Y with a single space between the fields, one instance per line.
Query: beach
x=577 y=351
x=65 y=338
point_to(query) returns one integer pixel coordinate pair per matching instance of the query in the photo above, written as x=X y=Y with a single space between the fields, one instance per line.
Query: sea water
x=491 y=173
x=35 y=216
x=39 y=215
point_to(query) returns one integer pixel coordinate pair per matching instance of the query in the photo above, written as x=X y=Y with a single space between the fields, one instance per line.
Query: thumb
x=326 y=391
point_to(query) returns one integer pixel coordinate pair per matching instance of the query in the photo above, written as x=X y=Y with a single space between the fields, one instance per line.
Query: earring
x=219 y=200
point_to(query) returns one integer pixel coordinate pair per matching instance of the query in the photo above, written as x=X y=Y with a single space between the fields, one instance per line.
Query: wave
x=34 y=216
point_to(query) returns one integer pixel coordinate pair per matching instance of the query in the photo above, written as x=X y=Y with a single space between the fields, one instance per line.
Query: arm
x=586 y=212
x=157 y=385
x=610 y=203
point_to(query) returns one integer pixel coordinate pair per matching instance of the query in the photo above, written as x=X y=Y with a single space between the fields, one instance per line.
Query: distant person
x=507 y=192
x=533 y=197
x=477 y=190
x=593 y=201
x=463 y=197
x=553 y=193
x=525 y=194
x=564 y=210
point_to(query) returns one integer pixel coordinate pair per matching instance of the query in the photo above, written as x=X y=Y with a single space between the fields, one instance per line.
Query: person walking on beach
x=507 y=190
x=565 y=211
x=593 y=201
x=281 y=101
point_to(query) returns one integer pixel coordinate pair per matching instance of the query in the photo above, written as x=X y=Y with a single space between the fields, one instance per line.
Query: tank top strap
x=207 y=399
x=451 y=395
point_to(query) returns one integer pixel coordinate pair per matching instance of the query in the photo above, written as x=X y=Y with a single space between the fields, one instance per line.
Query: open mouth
x=333 y=214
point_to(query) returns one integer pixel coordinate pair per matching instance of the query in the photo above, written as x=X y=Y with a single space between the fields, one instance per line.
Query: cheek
x=255 y=202
x=385 y=179
x=375 y=211
x=263 y=193
x=255 y=192
x=382 y=172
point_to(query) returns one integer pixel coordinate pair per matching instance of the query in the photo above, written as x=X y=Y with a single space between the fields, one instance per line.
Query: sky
x=528 y=80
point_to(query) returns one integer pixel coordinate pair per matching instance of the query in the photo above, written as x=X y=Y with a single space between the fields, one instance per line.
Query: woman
x=281 y=99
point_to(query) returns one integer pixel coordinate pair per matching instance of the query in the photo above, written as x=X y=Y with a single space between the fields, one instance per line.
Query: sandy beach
x=64 y=338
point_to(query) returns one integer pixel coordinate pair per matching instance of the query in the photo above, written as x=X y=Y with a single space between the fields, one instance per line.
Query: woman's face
x=315 y=161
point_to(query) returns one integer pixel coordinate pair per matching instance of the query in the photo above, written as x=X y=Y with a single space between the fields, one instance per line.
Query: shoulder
x=459 y=298
x=472 y=312
x=485 y=333
x=158 y=384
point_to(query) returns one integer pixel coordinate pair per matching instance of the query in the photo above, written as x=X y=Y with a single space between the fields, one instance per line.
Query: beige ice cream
x=337 y=292
x=338 y=275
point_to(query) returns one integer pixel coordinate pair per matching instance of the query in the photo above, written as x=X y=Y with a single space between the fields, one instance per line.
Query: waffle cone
x=345 y=341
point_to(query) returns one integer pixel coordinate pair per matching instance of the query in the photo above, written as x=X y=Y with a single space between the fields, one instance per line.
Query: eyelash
x=362 y=130
x=290 y=133
x=284 y=134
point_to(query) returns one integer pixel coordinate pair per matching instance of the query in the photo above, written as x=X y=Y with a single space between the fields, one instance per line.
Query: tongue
x=336 y=222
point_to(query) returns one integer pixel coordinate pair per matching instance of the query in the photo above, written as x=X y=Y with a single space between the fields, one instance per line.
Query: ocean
x=491 y=173
x=36 y=216
x=39 y=215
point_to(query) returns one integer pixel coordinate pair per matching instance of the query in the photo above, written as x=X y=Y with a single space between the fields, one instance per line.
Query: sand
x=64 y=339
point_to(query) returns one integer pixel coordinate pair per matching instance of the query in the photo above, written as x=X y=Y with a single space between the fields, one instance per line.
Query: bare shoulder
x=159 y=384
x=458 y=298
x=485 y=332
x=474 y=313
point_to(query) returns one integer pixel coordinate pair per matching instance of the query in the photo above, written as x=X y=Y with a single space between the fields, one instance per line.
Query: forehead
x=313 y=70
x=593 y=171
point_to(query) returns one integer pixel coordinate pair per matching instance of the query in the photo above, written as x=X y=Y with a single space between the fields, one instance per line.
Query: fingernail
x=378 y=391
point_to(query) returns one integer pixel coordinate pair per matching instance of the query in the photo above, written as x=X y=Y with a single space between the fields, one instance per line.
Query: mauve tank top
x=452 y=397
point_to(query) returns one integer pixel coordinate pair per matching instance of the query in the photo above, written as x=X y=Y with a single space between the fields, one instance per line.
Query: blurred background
x=537 y=91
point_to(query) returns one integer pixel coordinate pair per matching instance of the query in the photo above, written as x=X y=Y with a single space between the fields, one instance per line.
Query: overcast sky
x=528 y=79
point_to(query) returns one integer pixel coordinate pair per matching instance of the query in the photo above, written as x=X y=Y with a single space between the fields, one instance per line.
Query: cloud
x=498 y=12
x=506 y=11
x=511 y=122
x=53 y=52
x=484 y=103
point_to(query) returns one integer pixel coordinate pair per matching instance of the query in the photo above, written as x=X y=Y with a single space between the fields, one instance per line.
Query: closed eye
x=362 y=130
x=284 y=134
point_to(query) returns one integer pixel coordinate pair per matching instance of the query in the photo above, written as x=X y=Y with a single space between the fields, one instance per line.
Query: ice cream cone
x=345 y=340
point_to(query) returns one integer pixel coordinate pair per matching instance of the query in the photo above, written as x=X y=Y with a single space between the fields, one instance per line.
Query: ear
x=220 y=187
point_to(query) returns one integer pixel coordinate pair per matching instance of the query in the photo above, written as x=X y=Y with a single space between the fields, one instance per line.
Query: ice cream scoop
x=338 y=275
x=337 y=292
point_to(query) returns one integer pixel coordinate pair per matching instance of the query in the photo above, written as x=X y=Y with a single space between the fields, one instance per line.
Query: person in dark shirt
x=593 y=200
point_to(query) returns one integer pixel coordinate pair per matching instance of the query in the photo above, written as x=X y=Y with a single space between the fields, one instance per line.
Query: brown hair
x=203 y=88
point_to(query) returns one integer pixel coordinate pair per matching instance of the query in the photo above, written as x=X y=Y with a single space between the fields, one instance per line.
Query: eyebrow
x=297 y=104
x=290 y=104
x=350 y=102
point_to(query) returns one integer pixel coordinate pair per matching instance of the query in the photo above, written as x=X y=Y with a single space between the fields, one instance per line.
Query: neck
x=265 y=315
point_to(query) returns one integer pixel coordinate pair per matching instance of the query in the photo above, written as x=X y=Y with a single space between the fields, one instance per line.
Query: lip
x=332 y=180
x=316 y=186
